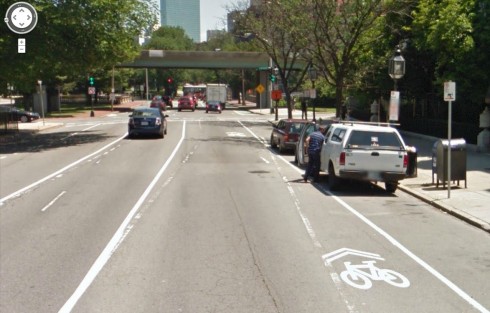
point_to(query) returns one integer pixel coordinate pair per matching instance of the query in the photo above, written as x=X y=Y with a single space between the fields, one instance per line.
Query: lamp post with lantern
x=312 y=74
x=396 y=69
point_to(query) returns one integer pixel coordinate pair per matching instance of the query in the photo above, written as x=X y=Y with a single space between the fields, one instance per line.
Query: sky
x=213 y=15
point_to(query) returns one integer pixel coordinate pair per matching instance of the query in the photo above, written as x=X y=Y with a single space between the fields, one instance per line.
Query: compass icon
x=21 y=17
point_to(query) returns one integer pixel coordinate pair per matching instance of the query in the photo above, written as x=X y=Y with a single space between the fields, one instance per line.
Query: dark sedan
x=213 y=105
x=147 y=121
x=19 y=115
x=285 y=133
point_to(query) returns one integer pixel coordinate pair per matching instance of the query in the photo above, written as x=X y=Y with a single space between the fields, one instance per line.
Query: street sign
x=260 y=88
x=91 y=90
x=313 y=93
x=449 y=91
x=276 y=95
x=394 y=105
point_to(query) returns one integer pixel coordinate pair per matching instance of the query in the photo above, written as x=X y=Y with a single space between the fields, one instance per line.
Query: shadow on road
x=37 y=142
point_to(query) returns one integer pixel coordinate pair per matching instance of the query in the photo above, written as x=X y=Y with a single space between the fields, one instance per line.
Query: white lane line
x=42 y=180
x=53 y=201
x=397 y=244
x=118 y=237
x=265 y=160
x=91 y=127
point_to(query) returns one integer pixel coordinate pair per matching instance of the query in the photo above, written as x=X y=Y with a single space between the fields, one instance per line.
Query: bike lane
x=391 y=253
x=401 y=254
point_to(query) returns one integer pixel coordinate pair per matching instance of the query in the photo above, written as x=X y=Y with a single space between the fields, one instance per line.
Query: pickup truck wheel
x=333 y=180
x=391 y=187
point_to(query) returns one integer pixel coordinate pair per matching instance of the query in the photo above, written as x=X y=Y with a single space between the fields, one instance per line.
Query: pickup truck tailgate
x=374 y=160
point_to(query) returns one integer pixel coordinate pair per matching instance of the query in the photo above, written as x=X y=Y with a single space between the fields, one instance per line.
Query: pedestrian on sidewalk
x=314 y=144
x=304 y=109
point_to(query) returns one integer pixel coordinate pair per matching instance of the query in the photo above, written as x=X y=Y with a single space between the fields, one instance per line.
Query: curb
x=450 y=210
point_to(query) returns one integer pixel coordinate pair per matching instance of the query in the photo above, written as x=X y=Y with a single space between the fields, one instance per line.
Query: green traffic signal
x=272 y=78
x=91 y=81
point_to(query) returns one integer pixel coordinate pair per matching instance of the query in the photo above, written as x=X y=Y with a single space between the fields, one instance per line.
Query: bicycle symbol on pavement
x=362 y=275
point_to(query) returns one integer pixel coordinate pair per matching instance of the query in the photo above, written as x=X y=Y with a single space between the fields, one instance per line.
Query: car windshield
x=360 y=138
x=296 y=128
x=145 y=113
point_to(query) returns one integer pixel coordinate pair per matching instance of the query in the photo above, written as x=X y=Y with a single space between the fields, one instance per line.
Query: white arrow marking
x=337 y=254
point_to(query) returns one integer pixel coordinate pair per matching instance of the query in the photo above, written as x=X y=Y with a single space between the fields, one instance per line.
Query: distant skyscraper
x=183 y=13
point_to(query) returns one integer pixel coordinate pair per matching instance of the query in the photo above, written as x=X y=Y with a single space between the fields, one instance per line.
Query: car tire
x=24 y=119
x=391 y=186
x=282 y=149
x=273 y=145
x=333 y=180
x=206 y=111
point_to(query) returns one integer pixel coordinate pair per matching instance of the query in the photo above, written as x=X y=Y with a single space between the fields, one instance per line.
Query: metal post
x=113 y=95
x=277 y=113
x=243 y=87
x=146 y=83
x=449 y=150
x=313 y=101
x=41 y=94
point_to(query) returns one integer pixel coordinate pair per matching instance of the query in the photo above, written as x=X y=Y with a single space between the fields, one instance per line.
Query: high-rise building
x=183 y=13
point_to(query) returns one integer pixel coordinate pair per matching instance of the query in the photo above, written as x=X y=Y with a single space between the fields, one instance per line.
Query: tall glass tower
x=183 y=13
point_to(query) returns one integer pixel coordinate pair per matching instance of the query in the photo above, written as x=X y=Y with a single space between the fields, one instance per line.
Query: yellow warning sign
x=260 y=88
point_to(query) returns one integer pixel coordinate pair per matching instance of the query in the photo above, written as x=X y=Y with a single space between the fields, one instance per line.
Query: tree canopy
x=73 y=38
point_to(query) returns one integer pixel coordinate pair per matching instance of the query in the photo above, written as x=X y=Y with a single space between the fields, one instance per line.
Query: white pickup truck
x=364 y=152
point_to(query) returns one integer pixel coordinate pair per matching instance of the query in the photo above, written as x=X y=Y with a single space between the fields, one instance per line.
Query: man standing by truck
x=314 y=144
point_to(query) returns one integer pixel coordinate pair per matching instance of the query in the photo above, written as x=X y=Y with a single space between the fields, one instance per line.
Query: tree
x=277 y=29
x=342 y=34
x=74 y=38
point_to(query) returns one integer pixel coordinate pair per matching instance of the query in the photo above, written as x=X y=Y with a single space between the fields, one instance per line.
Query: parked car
x=19 y=115
x=285 y=133
x=301 y=152
x=362 y=151
x=158 y=102
x=147 y=121
x=186 y=103
x=168 y=101
x=213 y=105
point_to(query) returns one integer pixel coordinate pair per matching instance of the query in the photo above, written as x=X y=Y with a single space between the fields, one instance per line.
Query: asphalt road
x=209 y=219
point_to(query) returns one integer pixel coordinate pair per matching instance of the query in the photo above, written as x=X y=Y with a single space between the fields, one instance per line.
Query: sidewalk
x=471 y=204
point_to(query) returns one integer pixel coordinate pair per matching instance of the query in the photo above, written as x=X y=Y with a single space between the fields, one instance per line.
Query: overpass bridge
x=198 y=60
x=210 y=60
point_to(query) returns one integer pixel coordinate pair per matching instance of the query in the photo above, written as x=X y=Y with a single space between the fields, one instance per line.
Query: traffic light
x=91 y=81
x=169 y=80
x=272 y=78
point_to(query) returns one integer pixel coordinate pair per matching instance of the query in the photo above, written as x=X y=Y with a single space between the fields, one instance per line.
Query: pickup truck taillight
x=342 y=158
x=405 y=161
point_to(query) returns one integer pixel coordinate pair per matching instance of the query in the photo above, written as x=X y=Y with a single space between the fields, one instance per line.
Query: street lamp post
x=396 y=67
x=312 y=74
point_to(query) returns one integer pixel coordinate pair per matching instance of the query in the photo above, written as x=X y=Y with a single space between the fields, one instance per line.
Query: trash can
x=412 y=162
x=440 y=161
